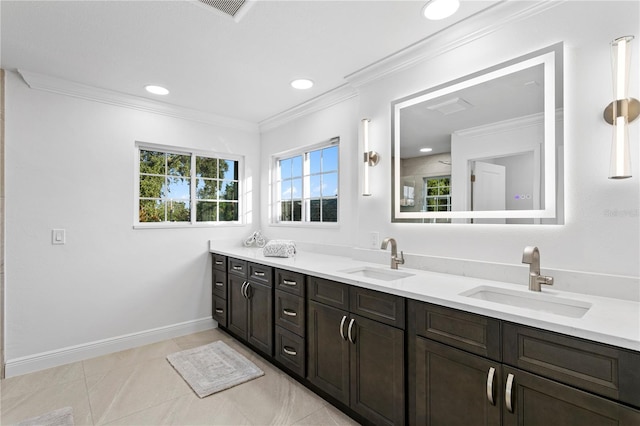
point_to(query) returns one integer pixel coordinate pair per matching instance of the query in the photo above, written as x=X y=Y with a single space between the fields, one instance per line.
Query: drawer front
x=237 y=267
x=290 y=351
x=219 y=262
x=595 y=367
x=219 y=284
x=290 y=312
x=330 y=293
x=382 y=307
x=291 y=282
x=473 y=333
x=220 y=310
x=260 y=273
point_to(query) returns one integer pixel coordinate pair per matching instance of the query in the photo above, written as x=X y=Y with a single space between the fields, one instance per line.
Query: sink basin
x=530 y=300
x=377 y=273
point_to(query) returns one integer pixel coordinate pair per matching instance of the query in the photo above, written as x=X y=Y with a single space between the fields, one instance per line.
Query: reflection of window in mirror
x=437 y=192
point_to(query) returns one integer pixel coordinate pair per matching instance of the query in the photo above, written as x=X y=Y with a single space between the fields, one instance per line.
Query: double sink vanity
x=406 y=346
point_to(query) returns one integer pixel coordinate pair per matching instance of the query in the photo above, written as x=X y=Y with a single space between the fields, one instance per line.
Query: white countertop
x=612 y=321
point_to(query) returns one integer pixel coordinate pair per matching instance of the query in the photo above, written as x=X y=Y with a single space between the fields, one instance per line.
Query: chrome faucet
x=531 y=256
x=395 y=260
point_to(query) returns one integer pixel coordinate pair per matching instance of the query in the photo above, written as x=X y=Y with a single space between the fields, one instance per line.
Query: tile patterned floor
x=139 y=387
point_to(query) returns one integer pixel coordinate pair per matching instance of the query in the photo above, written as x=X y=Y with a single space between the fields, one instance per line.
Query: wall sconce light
x=371 y=158
x=622 y=111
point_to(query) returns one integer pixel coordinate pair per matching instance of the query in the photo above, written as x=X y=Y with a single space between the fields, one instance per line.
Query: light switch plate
x=58 y=236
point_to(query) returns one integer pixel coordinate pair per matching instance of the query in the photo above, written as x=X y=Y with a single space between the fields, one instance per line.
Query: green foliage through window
x=437 y=194
x=165 y=186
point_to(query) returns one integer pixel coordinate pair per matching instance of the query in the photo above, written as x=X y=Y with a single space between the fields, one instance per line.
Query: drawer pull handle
x=258 y=274
x=353 y=320
x=287 y=282
x=344 y=318
x=490 y=378
x=237 y=268
x=219 y=284
x=289 y=351
x=219 y=311
x=507 y=393
x=290 y=313
x=218 y=262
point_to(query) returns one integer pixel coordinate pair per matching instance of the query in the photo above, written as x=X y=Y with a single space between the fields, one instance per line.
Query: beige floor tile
x=202 y=338
x=327 y=416
x=275 y=399
x=42 y=400
x=27 y=383
x=133 y=356
x=217 y=409
x=123 y=391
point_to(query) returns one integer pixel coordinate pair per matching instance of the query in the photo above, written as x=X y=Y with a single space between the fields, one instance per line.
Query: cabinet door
x=453 y=386
x=260 y=316
x=534 y=400
x=236 y=306
x=328 y=352
x=377 y=371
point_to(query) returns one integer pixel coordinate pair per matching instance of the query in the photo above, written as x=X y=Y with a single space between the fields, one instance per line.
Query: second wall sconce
x=371 y=158
x=623 y=110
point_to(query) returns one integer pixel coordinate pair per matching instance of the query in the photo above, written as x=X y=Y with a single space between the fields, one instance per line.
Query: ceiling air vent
x=232 y=8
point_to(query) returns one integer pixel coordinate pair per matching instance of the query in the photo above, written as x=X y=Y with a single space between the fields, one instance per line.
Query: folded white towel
x=279 y=248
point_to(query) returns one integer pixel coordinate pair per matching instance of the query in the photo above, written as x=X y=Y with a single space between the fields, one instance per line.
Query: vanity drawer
x=290 y=312
x=291 y=282
x=473 y=333
x=219 y=286
x=382 y=307
x=595 y=367
x=219 y=262
x=290 y=351
x=260 y=273
x=237 y=267
x=330 y=293
x=219 y=310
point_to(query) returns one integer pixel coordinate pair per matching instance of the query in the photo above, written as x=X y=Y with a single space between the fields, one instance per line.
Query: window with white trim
x=186 y=187
x=306 y=185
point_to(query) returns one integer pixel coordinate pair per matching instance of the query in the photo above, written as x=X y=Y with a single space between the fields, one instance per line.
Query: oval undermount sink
x=377 y=273
x=530 y=300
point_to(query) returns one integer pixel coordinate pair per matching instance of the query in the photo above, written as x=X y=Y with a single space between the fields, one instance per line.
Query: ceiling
x=208 y=61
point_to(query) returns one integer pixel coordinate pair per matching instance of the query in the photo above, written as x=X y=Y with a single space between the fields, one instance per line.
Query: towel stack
x=279 y=248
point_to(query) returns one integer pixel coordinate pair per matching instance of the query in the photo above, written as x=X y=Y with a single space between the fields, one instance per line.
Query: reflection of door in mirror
x=488 y=189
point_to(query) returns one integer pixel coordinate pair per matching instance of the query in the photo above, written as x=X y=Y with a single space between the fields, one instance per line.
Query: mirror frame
x=552 y=60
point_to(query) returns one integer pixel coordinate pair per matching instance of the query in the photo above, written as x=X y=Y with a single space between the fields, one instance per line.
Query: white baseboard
x=43 y=360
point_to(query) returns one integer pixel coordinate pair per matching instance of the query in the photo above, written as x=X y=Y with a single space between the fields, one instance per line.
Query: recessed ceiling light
x=156 y=90
x=426 y=149
x=440 y=9
x=302 y=84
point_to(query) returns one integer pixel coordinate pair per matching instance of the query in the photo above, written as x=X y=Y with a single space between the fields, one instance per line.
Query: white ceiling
x=208 y=61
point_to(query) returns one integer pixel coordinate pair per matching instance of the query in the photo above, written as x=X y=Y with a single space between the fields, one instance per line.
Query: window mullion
x=192 y=189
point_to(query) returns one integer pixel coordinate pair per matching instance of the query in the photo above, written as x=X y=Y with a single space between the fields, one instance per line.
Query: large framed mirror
x=485 y=148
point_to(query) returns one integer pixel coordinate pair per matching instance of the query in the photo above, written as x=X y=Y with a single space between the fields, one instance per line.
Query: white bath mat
x=61 y=417
x=213 y=368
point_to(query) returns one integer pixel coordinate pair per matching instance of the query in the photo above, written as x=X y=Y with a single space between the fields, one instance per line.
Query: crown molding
x=325 y=100
x=77 y=90
x=463 y=32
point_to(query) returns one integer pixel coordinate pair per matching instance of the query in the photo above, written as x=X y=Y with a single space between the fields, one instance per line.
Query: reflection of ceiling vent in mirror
x=232 y=8
x=450 y=106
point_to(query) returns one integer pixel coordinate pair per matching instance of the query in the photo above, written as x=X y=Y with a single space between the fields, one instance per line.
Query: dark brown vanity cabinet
x=250 y=303
x=219 y=289
x=470 y=369
x=290 y=320
x=356 y=348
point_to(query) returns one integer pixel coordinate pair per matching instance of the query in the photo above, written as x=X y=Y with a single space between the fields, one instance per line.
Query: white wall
x=601 y=233
x=70 y=164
